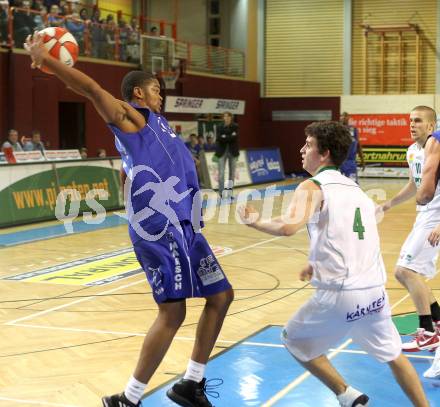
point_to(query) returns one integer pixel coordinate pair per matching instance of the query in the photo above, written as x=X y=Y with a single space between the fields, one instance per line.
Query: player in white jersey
x=345 y=265
x=418 y=258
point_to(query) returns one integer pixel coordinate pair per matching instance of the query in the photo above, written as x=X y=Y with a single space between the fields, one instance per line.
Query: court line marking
x=41 y=403
x=45 y=312
x=306 y=374
x=192 y=339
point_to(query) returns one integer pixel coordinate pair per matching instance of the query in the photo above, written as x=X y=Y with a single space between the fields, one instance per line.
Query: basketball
x=61 y=45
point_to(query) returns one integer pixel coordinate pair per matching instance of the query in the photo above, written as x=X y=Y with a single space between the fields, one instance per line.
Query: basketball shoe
x=188 y=393
x=423 y=340
x=118 y=400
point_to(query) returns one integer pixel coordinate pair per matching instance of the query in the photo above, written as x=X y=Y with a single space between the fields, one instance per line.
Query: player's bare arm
x=112 y=110
x=306 y=201
x=407 y=192
x=430 y=172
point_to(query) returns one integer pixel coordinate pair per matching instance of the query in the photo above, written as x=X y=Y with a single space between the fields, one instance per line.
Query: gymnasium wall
x=289 y=135
x=34 y=97
x=380 y=12
x=303 y=48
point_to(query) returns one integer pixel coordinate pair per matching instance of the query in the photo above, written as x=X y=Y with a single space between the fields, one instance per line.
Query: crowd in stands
x=197 y=145
x=34 y=143
x=98 y=37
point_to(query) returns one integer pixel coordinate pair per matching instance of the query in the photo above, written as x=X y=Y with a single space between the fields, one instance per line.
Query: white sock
x=134 y=390
x=195 y=371
x=346 y=399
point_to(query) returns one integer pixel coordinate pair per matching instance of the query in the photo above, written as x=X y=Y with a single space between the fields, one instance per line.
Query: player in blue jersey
x=349 y=166
x=164 y=214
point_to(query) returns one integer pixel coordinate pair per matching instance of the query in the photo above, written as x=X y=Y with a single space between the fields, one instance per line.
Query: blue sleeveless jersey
x=349 y=165
x=163 y=176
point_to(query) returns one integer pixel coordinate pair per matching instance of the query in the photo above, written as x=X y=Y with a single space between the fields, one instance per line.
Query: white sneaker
x=434 y=371
x=352 y=398
x=423 y=340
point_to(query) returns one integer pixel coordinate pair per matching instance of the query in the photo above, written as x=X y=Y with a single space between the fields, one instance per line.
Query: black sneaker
x=188 y=393
x=118 y=400
x=361 y=401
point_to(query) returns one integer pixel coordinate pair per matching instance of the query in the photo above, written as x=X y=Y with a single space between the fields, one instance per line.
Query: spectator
x=84 y=15
x=63 y=8
x=83 y=152
x=4 y=7
x=23 y=22
x=227 y=149
x=110 y=37
x=201 y=142
x=76 y=26
x=153 y=31
x=101 y=153
x=194 y=148
x=55 y=19
x=35 y=144
x=39 y=23
x=124 y=33
x=12 y=141
x=98 y=35
x=349 y=167
x=49 y=3
x=210 y=145
x=133 y=41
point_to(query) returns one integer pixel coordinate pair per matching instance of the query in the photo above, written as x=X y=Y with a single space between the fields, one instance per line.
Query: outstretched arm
x=112 y=110
x=306 y=201
x=430 y=172
x=407 y=192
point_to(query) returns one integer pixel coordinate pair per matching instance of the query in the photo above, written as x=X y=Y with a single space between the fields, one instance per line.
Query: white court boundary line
x=41 y=403
x=269 y=403
x=45 y=312
x=306 y=374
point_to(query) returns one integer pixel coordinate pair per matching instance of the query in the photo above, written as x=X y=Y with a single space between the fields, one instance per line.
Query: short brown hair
x=333 y=137
x=431 y=112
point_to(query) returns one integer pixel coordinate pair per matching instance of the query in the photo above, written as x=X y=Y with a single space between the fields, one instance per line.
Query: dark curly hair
x=132 y=80
x=333 y=137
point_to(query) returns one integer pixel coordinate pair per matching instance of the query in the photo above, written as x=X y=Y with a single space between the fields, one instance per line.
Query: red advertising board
x=382 y=129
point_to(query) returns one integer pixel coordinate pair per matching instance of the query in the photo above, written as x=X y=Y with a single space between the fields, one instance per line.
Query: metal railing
x=117 y=40
x=209 y=59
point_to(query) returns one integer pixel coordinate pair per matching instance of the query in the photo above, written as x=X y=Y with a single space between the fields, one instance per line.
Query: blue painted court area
x=257 y=369
x=48 y=232
x=79 y=226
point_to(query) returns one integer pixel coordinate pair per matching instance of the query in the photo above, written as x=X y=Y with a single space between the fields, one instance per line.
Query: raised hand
x=248 y=214
x=37 y=51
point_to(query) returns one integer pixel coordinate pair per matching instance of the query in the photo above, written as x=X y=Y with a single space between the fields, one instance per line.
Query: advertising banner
x=242 y=175
x=265 y=165
x=382 y=129
x=62 y=155
x=184 y=104
x=29 y=192
x=385 y=156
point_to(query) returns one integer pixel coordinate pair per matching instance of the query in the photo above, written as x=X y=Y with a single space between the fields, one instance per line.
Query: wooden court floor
x=67 y=345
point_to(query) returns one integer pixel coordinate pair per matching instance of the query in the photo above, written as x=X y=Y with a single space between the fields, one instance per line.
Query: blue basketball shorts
x=181 y=265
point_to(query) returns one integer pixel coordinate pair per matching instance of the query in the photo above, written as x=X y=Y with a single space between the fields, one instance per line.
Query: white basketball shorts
x=330 y=316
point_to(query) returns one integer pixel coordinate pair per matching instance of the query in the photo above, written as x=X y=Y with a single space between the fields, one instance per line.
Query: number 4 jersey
x=345 y=247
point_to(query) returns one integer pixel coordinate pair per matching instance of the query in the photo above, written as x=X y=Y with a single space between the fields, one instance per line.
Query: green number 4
x=358 y=227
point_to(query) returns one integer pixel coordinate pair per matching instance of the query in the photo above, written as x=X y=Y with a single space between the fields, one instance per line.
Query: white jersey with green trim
x=415 y=155
x=344 y=240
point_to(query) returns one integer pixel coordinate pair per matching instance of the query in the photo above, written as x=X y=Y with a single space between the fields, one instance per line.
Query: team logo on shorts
x=209 y=271
x=374 y=307
x=406 y=257
x=156 y=280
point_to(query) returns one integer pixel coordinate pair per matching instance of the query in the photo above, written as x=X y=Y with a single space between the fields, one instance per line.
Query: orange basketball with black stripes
x=61 y=45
